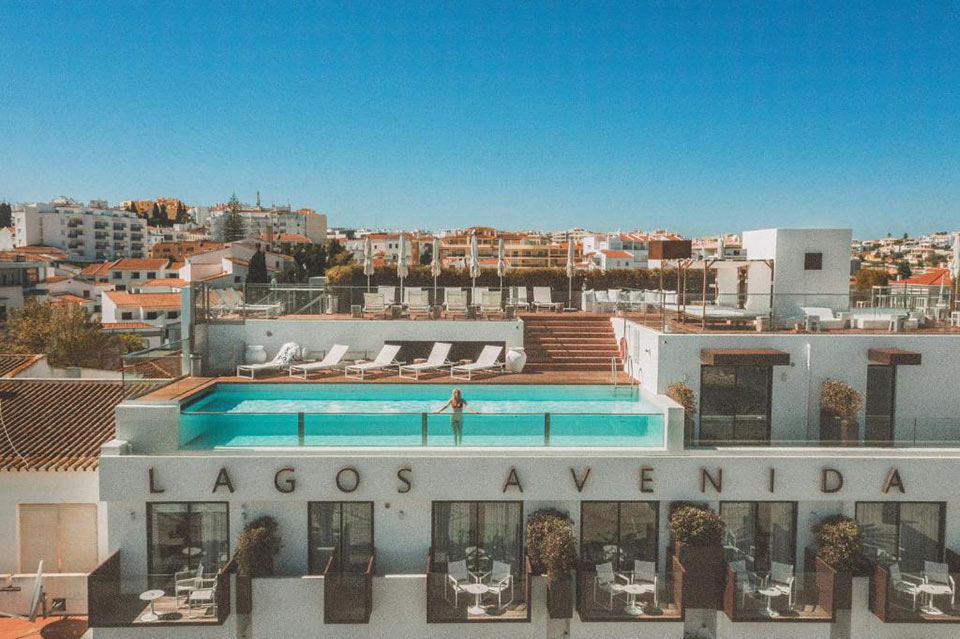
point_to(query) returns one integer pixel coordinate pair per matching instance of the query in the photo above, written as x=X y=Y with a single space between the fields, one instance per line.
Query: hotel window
x=151 y=315
x=126 y=315
x=64 y=536
x=905 y=532
x=135 y=275
x=760 y=532
x=180 y=536
x=619 y=532
x=813 y=261
x=880 y=404
x=735 y=404
x=342 y=530
x=479 y=532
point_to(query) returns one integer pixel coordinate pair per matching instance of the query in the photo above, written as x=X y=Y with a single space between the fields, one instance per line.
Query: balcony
x=905 y=597
x=347 y=596
x=476 y=600
x=114 y=601
x=631 y=598
x=814 y=597
x=101 y=225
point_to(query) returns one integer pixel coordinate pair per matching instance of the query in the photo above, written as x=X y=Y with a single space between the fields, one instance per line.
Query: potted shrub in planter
x=840 y=401
x=840 y=546
x=697 y=535
x=257 y=545
x=552 y=551
x=682 y=394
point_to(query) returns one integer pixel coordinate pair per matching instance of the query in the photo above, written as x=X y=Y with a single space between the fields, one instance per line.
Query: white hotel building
x=88 y=233
x=377 y=508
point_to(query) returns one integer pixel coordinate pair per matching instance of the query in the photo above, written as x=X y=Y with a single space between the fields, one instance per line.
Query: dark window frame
x=521 y=548
x=768 y=416
x=620 y=502
x=941 y=525
x=312 y=568
x=151 y=575
x=813 y=261
x=755 y=505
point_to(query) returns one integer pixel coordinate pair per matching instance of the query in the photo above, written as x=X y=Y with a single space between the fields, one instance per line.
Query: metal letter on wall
x=356 y=479
x=831 y=480
x=717 y=482
x=512 y=480
x=580 y=482
x=153 y=484
x=402 y=476
x=894 y=481
x=223 y=479
x=287 y=485
x=646 y=479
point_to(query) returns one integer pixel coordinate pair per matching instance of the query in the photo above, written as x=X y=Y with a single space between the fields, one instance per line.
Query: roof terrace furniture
x=747 y=581
x=330 y=362
x=487 y=362
x=826 y=317
x=607 y=582
x=457 y=577
x=435 y=361
x=476 y=294
x=374 y=304
x=499 y=581
x=645 y=575
x=517 y=297
x=203 y=598
x=904 y=584
x=386 y=358
x=389 y=294
x=490 y=303
x=781 y=578
x=285 y=356
x=542 y=298
x=937 y=581
x=603 y=302
x=418 y=302
x=455 y=302
x=185 y=582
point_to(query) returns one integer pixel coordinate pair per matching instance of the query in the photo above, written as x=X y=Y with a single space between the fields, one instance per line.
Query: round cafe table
x=770 y=593
x=632 y=591
x=931 y=591
x=151 y=596
x=477 y=590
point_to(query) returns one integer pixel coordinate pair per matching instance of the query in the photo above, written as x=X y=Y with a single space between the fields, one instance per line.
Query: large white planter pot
x=516 y=359
x=255 y=354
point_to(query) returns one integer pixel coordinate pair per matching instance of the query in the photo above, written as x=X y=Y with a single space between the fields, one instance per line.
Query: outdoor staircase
x=556 y=342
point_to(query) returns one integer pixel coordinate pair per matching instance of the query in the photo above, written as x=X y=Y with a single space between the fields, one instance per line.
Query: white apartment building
x=87 y=232
x=275 y=221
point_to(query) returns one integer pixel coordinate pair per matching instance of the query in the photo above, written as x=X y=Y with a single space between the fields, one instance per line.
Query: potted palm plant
x=841 y=401
x=839 y=545
x=257 y=546
x=552 y=551
x=697 y=533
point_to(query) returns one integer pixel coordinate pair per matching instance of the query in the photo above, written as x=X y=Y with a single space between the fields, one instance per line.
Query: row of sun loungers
x=386 y=359
x=457 y=301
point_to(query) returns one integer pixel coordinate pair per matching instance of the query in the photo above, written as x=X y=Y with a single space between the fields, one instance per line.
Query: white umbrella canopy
x=402 y=269
x=368 y=260
x=955 y=265
x=571 y=269
x=474 y=262
x=501 y=263
x=435 y=266
x=720 y=247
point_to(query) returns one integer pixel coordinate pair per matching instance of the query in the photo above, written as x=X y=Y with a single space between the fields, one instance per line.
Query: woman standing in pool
x=456 y=403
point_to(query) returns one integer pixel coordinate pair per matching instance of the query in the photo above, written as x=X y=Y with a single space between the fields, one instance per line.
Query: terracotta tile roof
x=140 y=264
x=144 y=300
x=215 y=276
x=293 y=238
x=60 y=424
x=165 y=281
x=616 y=254
x=933 y=277
x=176 y=266
x=13 y=363
x=97 y=269
x=68 y=298
x=109 y=326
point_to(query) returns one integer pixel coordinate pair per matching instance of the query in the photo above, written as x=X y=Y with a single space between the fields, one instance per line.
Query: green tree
x=903 y=270
x=182 y=216
x=233 y=227
x=257 y=271
x=311 y=261
x=426 y=256
x=66 y=334
x=6 y=214
x=867 y=278
x=337 y=255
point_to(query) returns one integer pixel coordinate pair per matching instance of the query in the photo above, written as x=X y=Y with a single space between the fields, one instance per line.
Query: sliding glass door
x=619 y=532
x=735 y=405
x=478 y=532
x=760 y=532
x=181 y=536
x=342 y=530
x=907 y=533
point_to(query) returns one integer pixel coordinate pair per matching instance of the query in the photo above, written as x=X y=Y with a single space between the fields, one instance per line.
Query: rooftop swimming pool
x=402 y=415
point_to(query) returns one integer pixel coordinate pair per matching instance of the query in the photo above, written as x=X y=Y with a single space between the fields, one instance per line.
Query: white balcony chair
x=606 y=581
x=904 y=584
x=645 y=574
x=457 y=577
x=781 y=578
x=939 y=575
x=203 y=598
x=185 y=582
x=747 y=581
x=500 y=580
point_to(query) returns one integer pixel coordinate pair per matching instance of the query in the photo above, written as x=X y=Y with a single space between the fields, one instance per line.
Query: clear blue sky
x=697 y=116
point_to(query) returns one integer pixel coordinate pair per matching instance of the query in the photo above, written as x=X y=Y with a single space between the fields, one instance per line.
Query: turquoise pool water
x=391 y=415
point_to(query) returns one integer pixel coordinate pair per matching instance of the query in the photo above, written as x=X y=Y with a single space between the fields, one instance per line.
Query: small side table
x=770 y=593
x=930 y=591
x=151 y=596
x=632 y=591
x=477 y=590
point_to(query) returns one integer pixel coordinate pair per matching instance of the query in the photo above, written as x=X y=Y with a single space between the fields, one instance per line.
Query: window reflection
x=342 y=530
x=907 y=533
x=760 y=532
x=735 y=404
x=182 y=536
x=478 y=532
x=618 y=532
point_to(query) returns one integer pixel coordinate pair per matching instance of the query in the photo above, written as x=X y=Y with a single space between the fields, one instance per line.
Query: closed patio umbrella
x=474 y=262
x=501 y=263
x=402 y=270
x=570 y=271
x=435 y=266
x=955 y=265
x=368 y=260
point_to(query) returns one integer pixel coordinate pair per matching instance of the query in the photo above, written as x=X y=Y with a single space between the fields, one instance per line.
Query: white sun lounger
x=283 y=358
x=485 y=363
x=542 y=297
x=386 y=358
x=435 y=361
x=330 y=362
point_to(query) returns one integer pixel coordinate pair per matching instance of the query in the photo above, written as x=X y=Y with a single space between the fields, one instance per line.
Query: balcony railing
x=906 y=597
x=113 y=601
x=753 y=597
x=347 y=596
x=476 y=600
x=630 y=598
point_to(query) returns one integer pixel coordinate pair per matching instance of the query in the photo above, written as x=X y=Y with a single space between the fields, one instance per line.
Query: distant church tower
x=258 y=200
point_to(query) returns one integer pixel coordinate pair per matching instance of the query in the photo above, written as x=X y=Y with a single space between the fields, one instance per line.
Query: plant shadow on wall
x=552 y=551
x=257 y=546
x=839 y=543
x=839 y=404
x=681 y=393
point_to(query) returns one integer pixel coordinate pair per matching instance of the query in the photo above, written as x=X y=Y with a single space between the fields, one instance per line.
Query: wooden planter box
x=244 y=595
x=560 y=597
x=704 y=568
